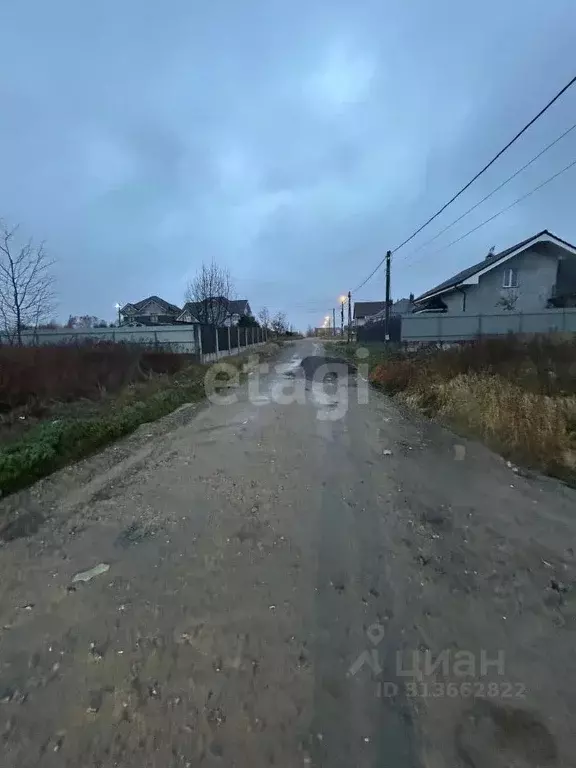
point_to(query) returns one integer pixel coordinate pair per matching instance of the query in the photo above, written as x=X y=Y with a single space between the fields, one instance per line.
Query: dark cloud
x=294 y=143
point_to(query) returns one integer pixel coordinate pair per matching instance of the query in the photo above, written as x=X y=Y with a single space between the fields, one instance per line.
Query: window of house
x=510 y=279
x=154 y=318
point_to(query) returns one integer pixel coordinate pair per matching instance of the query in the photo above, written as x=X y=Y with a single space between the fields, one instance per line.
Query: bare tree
x=26 y=285
x=508 y=301
x=211 y=292
x=85 y=321
x=279 y=323
x=264 y=317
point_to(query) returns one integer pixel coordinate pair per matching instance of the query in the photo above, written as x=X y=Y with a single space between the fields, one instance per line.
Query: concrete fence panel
x=174 y=337
x=462 y=327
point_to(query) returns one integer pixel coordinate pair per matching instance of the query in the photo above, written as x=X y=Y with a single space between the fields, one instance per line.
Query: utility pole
x=387 y=310
x=333 y=321
x=349 y=315
x=342 y=319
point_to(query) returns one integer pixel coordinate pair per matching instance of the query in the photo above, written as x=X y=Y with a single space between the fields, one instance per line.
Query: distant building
x=150 y=311
x=217 y=310
x=375 y=311
x=363 y=310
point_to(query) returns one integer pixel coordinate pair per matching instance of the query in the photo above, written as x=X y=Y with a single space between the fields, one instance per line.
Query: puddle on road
x=24 y=524
x=290 y=368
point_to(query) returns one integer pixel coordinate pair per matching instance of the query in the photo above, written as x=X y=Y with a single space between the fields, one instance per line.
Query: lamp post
x=118 y=308
x=342 y=301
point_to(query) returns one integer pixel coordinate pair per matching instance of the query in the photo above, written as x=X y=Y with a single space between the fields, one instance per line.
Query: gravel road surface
x=294 y=578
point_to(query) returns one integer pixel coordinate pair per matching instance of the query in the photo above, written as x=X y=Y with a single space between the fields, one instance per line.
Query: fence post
x=245 y=337
x=229 y=348
x=198 y=332
x=217 y=346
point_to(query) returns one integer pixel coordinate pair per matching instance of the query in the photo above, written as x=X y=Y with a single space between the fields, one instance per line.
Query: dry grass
x=517 y=395
x=536 y=430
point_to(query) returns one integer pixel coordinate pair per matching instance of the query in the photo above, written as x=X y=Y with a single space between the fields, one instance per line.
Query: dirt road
x=277 y=574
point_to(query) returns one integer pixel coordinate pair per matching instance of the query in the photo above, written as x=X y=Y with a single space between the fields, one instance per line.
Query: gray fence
x=207 y=341
x=229 y=341
x=378 y=332
x=179 y=338
x=462 y=327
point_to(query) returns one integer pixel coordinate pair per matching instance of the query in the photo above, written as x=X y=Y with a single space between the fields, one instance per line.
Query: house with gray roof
x=374 y=311
x=150 y=311
x=216 y=310
x=535 y=274
x=363 y=310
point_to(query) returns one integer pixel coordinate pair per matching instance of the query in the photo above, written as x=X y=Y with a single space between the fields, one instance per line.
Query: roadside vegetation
x=517 y=395
x=59 y=404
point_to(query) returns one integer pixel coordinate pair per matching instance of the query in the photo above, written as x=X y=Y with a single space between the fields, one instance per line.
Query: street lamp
x=342 y=301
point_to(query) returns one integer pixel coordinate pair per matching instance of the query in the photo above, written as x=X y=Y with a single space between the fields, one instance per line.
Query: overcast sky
x=293 y=142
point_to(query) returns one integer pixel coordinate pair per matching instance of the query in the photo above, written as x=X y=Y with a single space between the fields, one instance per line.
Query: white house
x=535 y=274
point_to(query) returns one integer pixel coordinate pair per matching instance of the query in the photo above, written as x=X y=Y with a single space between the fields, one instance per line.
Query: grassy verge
x=517 y=396
x=75 y=430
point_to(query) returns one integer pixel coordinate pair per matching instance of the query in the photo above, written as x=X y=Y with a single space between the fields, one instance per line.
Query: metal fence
x=377 y=331
x=462 y=327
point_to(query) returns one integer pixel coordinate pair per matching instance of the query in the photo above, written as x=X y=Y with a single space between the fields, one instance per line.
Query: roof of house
x=235 y=306
x=238 y=306
x=166 y=306
x=491 y=261
x=398 y=307
x=367 y=308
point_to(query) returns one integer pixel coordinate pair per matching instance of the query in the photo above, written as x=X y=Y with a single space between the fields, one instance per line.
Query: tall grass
x=518 y=395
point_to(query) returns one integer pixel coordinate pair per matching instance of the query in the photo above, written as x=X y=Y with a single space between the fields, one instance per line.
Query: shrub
x=52 y=444
x=396 y=375
x=65 y=373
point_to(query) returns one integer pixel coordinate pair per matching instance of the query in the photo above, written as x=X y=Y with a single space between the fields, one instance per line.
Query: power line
x=370 y=276
x=507 y=208
x=499 y=154
x=489 y=195
x=477 y=176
